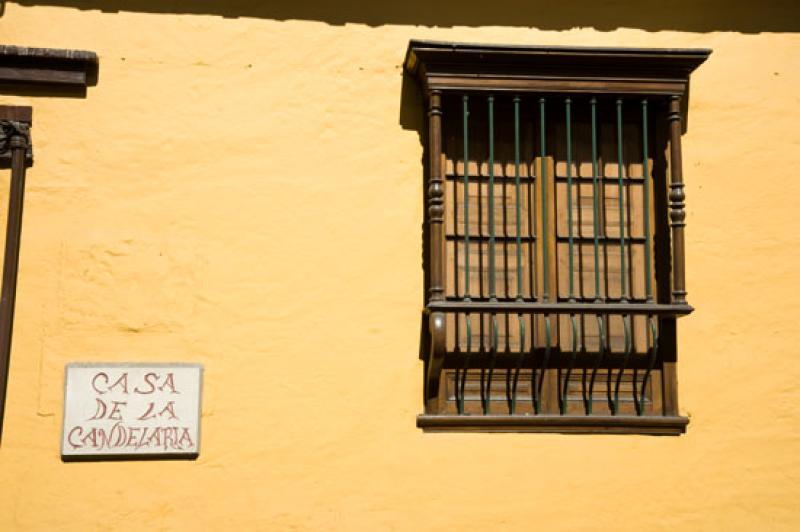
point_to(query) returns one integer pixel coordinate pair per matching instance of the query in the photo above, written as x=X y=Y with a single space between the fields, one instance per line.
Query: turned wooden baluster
x=677 y=198
x=436 y=198
x=436 y=324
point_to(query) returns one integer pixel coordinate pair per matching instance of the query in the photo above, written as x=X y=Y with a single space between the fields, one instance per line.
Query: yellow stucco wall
x=240 y=192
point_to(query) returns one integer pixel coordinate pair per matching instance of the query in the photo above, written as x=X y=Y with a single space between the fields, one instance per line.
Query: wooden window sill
x=651 y=425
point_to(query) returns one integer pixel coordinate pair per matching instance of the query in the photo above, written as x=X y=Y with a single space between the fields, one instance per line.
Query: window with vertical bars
x=554 y=237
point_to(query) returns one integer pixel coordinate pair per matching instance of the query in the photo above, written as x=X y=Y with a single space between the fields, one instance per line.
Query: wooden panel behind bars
x=530 y=226
x=530 y=218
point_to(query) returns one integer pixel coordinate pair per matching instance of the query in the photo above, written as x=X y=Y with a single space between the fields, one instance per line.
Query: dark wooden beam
x=56 y=69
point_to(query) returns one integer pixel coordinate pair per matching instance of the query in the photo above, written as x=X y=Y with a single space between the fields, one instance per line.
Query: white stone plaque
x=129 y=410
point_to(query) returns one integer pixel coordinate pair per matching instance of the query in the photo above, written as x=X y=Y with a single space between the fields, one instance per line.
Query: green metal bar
x=492 y=362
x=492 y=272
x=519 y=364
x=628 y=342
x=600 y=356
x=650 y=365
x=465 y=103
x=626 y=323
x=545 y=266
x=596 y=206
x=596 y=234
x=462 y=384
x=517 y=187
x=565 y=387
x=543 y=179
x=646 y=170
x=621 y=188
x=568 y=105
x=647 y=259
x=517 y=193
x=548 y=333
x=573 y=355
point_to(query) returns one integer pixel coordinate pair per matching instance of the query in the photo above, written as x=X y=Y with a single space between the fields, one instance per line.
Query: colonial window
x=28 y=71
x=554 y=236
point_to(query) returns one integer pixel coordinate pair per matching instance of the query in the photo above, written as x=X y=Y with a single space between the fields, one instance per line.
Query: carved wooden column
x=14 y=141
x=677 y=198
x=436 y=197
x=436 y=324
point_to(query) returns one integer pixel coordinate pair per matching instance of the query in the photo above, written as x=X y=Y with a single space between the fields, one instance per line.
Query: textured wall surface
x=245 y=192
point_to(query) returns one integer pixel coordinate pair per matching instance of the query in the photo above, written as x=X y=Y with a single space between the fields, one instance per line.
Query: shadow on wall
x=743 y=16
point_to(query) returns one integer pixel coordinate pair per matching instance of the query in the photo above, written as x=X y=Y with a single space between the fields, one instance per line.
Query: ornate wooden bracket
x=435 y=361
x=11 y=131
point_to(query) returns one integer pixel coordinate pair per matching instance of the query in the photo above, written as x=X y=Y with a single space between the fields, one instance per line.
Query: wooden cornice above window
x=436 y=61
x=48 y=68
x=553 y=69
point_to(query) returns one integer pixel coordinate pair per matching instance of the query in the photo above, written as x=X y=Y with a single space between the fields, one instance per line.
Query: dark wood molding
x=426 y=58
x=651 y=425
x=548 y=85
x=450 y=66
x=54 y=69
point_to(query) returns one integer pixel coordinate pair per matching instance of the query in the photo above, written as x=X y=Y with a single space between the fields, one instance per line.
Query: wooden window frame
x=443 y=70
